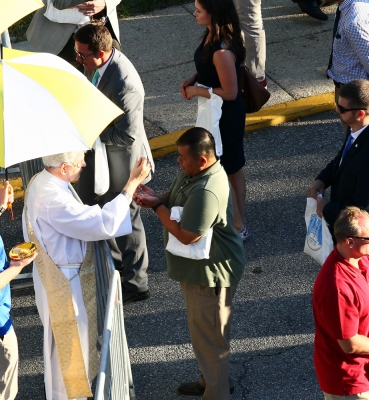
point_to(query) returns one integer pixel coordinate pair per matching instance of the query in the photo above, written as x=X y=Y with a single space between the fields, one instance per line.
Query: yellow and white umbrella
x=47 y=107
x=13 y=10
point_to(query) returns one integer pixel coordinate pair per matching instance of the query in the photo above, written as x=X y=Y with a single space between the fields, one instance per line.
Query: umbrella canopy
x=13 y=10
x=47 y=107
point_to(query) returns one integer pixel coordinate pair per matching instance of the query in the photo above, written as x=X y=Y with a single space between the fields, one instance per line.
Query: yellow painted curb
x=268 y=116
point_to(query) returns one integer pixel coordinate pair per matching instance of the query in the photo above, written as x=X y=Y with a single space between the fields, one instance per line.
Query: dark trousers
x=129 y=252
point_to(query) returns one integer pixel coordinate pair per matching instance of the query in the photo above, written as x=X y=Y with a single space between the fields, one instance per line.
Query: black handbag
x=254 y=95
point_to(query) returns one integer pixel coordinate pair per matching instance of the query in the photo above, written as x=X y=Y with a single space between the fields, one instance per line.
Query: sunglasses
x=358 y=237
x=83 y=56
x=343 y=109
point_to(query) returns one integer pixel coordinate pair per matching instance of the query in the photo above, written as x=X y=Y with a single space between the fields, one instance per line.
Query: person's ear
x=63 y=168
x=203 y=161
x=349 y=241
x=361 y=114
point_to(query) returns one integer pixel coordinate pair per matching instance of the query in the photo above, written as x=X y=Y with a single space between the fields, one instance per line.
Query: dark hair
x=96 y=36
x=225 y=26
x=348 y=224
x=356 y=93
x=199 y=140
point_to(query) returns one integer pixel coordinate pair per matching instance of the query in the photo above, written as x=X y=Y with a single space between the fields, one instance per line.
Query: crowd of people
x=202 y=211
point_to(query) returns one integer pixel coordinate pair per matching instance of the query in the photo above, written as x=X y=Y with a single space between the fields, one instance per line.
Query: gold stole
x=63 y=319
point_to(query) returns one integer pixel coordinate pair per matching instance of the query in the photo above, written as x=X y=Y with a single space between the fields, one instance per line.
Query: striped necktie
x=95 y=77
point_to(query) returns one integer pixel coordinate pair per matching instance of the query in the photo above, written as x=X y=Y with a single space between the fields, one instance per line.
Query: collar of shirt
x=103 y=68
x=356 y=134
x=62 y=184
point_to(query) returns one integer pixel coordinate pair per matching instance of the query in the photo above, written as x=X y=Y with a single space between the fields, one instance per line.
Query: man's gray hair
x=56 y=160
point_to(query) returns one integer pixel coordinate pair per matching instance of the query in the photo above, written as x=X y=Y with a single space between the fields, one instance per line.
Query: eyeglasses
x=83 y=56
x=78 y=165
x=343 y=109
x=359 y=237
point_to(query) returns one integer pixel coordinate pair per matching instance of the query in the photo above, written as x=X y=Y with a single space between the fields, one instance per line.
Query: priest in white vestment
x=63 y=226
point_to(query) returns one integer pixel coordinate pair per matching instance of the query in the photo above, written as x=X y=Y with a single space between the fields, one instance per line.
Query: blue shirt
x=350 y=58
x=6 y=323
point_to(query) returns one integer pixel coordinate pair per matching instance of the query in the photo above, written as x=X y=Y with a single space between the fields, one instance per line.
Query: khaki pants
x=209 y=315
x=8 y=366
x=358 y=396
x=249 y=13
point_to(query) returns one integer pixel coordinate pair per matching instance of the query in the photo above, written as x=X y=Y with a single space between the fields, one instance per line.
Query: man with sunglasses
x=125 y=140
x=341 y=311
x=348 y=173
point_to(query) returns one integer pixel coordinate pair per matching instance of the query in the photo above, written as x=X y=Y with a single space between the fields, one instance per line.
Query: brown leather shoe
x=194 y=389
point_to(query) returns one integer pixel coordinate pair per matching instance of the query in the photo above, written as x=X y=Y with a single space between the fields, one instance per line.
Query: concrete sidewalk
x=161 y=45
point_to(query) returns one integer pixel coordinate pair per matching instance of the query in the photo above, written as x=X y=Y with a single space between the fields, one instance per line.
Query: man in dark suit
x=125 y=140
x=348 y=173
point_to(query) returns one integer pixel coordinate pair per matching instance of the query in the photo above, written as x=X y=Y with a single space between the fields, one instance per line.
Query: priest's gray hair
x=56 y=160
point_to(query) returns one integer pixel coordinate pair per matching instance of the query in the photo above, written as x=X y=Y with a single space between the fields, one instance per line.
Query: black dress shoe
x=130 y=297
x=194 y=389
x=312 y=9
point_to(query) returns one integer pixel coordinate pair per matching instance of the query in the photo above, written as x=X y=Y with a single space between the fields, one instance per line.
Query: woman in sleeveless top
x=217 y=62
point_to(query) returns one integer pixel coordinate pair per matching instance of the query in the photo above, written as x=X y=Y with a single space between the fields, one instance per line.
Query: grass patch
x=127 y=8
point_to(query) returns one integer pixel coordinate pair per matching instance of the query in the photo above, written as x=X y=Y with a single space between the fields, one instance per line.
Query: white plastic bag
x=67 y=16
x=318 y=241
x=102 y=178
x=196 y=251
x=209 y=112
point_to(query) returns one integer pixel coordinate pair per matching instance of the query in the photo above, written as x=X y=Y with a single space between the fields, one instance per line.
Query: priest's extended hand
x=139 y=173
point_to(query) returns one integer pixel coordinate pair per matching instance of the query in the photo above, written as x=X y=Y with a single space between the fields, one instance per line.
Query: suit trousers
x=8 y=366
x=129 y=252
x=249 y=13
x=209 y=316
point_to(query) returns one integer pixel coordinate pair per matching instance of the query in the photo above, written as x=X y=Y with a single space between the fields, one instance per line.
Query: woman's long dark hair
x=225 y=26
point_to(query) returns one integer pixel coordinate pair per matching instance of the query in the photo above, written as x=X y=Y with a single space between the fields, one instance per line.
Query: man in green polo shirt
x=208 y=285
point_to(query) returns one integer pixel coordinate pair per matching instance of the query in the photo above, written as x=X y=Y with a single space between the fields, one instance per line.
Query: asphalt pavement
x=273 y=326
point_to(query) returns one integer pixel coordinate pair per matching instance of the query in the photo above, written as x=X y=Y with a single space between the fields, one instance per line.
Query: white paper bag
x=318 y=241
x=102 y=178
x=209 y=112
x=67 y=16
x=196 y=251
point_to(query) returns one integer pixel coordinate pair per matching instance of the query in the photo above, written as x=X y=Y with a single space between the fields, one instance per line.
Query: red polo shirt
x=341 y=310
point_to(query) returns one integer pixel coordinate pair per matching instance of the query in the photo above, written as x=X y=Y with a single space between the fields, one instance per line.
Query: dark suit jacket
x=125 y=137
x=349 y=181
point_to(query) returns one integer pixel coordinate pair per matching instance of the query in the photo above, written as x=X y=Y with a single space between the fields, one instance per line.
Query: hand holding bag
x=318 y=241
x=209 y=112
x=254 y=95
x=67 y=16
x=196 y=251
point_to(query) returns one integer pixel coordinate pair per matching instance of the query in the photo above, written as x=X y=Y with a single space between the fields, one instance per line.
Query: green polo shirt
x=207 y=202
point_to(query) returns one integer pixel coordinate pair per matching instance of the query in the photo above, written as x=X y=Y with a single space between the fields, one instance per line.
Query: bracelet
x=2 y=209
x=157 y=206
